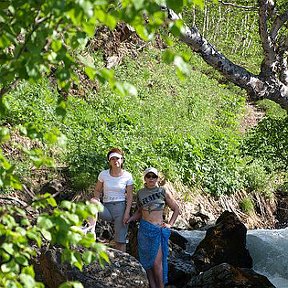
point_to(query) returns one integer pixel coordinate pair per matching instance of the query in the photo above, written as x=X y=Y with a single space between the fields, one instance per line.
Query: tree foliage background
x=62 y=109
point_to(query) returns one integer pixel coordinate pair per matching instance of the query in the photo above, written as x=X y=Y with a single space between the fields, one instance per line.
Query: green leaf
x=22 y=260
x=4 y=41
x=106 y=18
x=105 y=75
x=168 y=56
x=90 y=72
x=52 y=202
x=8 y=247
x=43 y=221
x=4 y=106
x=176 y=5
x=25 y=222
x=177 y=27
x=66 y=205
x=142 y=32
x=88 y=257
x=27 y=280
x=4 y=134
x=61 y=108
x=10 y=267
x=47 y=235
x=138 y=4
x=34 y=235
x=71 y=285
x=182 y=66
x=200 y=3
x=28 y=270
x=56 y=45
x=130 y=89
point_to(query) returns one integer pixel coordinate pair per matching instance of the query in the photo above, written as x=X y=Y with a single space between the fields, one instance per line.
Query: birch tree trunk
x=272 y=81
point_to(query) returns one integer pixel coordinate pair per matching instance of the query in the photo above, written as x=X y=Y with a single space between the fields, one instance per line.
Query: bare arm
x=172 y=204
x=129 y=198
x=136 y=216
x=97 y=191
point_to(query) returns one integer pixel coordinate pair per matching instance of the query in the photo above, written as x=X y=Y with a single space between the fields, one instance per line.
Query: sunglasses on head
x=151 y=176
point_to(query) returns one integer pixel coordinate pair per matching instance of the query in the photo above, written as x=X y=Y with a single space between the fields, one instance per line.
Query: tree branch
x=283 y=54
x=278 y=24
x=268 y=65
x=257 y=86
x=35 y=26
x=192 y=37
x=238 y=6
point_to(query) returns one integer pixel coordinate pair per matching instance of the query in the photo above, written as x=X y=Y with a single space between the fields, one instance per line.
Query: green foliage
x=247 y=205
x=222 y=165
x=256 y=176
x=267 y=142
x=187 y=128
x=15 y=253
x=43 y=37
x=283 y=188
x=60 y=226
x=271 y=109
x=167 y=125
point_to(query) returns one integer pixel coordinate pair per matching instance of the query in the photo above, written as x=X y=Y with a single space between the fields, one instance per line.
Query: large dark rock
x=223 y=243
x=227 y=276
x=180 y=267
x=178 y=239
x=123 y=271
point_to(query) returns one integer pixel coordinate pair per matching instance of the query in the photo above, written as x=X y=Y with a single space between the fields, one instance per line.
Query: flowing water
x=268 y=249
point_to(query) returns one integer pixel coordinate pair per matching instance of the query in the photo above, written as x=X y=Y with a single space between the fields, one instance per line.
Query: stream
x=268 y=249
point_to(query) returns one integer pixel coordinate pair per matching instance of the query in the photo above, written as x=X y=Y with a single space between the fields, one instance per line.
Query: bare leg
x=151 y=280
x=158 y=270
x=120 y=246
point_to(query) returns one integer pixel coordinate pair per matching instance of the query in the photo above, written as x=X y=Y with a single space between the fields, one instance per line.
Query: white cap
x=114 y=154
x=151 y=170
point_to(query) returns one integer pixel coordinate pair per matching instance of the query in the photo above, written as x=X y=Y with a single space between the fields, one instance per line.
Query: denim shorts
x=114 y=212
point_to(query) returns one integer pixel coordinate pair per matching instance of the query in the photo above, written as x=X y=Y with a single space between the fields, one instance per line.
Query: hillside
x=193 y=129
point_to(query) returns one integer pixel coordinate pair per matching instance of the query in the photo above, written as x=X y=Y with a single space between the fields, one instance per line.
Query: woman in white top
x=117 y=187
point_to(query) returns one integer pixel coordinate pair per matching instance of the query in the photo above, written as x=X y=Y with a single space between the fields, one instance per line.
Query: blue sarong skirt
x=150 y=238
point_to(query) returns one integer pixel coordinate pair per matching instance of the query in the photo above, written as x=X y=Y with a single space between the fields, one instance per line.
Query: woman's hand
x=166 y=225
x=95 y=200
x=126 y=218
x=136 y=216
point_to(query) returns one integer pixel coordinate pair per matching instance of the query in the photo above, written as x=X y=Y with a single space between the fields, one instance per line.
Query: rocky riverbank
x=220 y=260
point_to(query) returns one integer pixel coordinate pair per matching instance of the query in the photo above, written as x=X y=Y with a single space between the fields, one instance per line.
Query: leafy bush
x=256 y=176
x=58 y=227
x=268 y=142
x=283 y=188
x=246 y=205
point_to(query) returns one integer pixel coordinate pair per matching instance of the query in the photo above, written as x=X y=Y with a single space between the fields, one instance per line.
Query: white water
x=268 y=249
